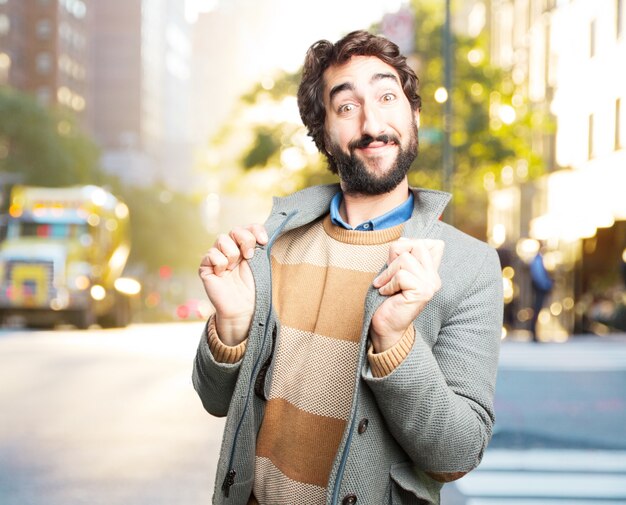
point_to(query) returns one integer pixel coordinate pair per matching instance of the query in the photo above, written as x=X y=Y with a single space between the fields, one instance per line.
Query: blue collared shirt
x=394 y=217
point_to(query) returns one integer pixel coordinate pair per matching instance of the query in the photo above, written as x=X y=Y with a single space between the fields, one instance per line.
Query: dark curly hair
x=324 y=54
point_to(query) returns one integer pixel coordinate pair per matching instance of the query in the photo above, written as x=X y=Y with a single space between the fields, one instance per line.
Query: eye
x=346 y=107
x=388 y=97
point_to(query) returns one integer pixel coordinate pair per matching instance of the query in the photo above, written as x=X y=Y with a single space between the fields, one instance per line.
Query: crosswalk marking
x=581 y=356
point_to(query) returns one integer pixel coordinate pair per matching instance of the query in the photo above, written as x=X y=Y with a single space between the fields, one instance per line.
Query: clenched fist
x=410 y=281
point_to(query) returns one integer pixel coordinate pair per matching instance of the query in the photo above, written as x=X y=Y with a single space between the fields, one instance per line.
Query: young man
x=355 y=337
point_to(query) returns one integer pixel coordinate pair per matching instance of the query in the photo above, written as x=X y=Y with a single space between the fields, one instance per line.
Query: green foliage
x=482 y=143
x=285 y=84
x=166 y=228
x=266 y=144
x=45 y=147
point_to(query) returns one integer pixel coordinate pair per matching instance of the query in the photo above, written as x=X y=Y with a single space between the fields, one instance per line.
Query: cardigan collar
x=311 y=203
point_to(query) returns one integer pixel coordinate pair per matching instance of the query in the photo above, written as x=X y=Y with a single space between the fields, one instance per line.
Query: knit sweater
x=320 y=275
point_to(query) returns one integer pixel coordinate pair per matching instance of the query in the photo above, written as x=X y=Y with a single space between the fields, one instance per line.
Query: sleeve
x=385 y=362
x=438 y=403
x=215 y=370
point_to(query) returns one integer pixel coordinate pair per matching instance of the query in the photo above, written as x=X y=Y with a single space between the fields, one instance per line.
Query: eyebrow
x=348 y=86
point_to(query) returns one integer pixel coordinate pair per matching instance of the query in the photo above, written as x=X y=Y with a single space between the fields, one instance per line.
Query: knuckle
x=237 y=234
x=215 y=257
x=222 y=240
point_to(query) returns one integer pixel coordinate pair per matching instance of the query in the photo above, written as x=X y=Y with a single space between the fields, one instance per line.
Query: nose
x=372 y=121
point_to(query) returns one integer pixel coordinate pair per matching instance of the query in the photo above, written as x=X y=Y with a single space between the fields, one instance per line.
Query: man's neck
x=356 y=208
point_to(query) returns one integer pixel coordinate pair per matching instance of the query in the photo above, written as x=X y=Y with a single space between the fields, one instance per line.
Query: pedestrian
x=542 y=285
x=355 y=338
x=622 y=266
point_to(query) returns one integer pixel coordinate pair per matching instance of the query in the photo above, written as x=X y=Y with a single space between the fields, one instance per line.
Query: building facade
x=122 y=66
x=141 y=81
x=565 y=56
x=45 y=50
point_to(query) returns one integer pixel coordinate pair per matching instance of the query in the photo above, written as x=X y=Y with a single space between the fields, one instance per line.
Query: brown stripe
x=338 y=294
x=382 y=364
x=301 y=445
x=362 y=237
x=223 y=353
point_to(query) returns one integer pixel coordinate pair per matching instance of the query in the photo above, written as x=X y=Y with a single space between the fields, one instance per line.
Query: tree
x=166 y=227
x=44 y=146
x=493 y=124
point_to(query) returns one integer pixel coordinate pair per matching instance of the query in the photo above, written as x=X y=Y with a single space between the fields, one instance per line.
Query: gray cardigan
x=433 y=413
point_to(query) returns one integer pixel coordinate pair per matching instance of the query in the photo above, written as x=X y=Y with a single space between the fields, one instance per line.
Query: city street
x=560 y=432
x=104 y=417
x=110 y=417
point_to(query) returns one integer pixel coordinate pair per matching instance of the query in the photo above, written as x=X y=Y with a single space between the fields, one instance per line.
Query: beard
x=356 y=178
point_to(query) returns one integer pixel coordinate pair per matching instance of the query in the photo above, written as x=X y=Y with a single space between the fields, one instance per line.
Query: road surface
x=109 y=417
x=104 y=417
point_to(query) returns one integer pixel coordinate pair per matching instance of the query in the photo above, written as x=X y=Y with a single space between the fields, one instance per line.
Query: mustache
x=366 y=140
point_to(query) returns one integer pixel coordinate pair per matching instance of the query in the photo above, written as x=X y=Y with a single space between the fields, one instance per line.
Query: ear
x=416 y=114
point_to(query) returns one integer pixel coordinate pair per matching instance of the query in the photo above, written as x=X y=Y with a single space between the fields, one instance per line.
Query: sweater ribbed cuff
x=383 y=363
x=223 y=353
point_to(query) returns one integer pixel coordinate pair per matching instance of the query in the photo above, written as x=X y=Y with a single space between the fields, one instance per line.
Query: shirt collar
x=394 y=217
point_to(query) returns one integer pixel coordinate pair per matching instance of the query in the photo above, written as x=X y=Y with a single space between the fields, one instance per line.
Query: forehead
x=358 y=71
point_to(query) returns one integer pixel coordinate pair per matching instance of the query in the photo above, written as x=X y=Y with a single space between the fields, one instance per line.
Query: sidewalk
x=525 y=336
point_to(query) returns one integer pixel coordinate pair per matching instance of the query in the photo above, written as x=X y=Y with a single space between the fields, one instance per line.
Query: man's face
x=371 y=130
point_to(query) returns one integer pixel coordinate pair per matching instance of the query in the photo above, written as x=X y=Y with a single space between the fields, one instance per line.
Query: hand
x=228 y=281
x=410 y=281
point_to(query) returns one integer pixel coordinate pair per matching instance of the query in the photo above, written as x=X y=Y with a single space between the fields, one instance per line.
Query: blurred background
x=132 y=132
x=186 y=112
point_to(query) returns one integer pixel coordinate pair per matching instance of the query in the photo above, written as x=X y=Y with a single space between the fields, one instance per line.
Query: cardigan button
x=349 y=499
x=363 y=426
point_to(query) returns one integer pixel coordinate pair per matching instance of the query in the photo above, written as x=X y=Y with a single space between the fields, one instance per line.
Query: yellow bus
x=63 y=257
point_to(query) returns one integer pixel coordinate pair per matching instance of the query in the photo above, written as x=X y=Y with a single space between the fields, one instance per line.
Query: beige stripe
x=315 y=373
x=297 y=247
x=271 y=486
x=302 y=445
x=311 y=290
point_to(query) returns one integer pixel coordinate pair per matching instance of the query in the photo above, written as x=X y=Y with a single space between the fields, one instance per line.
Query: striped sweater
x=320 y=275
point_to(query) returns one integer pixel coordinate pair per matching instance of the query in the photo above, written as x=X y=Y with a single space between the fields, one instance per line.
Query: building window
x=592 y=39
x=5 y=24
x=590 y=147
x=5 y=67
x=43 y=63
x=77 y=8
x=44 y=29
x=618 y=124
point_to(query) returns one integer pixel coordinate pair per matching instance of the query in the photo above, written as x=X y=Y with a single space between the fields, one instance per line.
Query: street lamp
x=447 y=115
